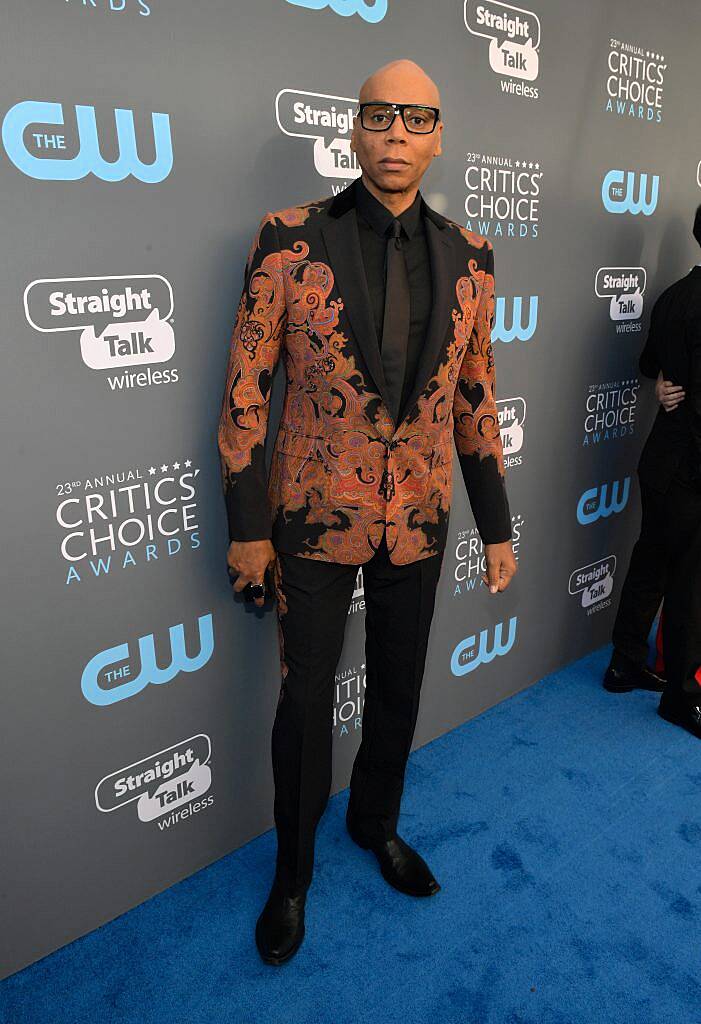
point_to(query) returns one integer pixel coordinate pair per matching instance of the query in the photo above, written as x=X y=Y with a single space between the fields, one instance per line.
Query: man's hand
x=669 y=395
x=250 y=559
x=501 y=566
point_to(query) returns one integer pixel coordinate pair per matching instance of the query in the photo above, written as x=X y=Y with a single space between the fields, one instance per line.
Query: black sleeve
x=649 y=361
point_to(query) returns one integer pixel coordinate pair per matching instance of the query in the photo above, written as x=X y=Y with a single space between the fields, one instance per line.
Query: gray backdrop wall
x=141 y=143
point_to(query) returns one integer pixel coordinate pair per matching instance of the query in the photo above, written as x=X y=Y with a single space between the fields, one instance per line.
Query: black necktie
x=395 y=324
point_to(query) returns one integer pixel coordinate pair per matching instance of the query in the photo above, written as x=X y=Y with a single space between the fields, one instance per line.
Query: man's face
x=396 y=159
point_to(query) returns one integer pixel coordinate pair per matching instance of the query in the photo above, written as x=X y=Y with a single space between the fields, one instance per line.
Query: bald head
x=394 y=158
x=400 y=81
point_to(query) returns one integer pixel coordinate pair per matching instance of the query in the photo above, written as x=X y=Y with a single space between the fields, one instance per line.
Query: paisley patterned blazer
x=341 y=469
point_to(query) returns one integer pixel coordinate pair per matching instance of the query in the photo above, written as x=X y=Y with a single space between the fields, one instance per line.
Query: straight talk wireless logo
x=325 y=121
x=514 y=41
x=123 y=323
x=168 y=787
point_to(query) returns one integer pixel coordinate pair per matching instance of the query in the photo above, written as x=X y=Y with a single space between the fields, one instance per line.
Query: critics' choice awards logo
x=514 y=39
x=624 y=288
x=634 y=82
x=372 y=11
x=132 y=517
x=166 y=786
x=602 y=502
x=610 y=411
x=630 y=192
x=470 y=562
x=327 y=121
x=121 y=322
x=509 y=318
x=503 y=196
x=115 y=674
x=512 y=418
x=32 y=143
x=594 y=584
x=139 y=7
x=480 y=649
x=349 y=700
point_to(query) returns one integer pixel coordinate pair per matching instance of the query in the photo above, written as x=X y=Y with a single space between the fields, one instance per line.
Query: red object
x=659 y=659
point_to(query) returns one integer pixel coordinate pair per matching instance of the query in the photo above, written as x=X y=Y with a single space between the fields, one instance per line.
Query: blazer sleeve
x=254 y=351
x=476 y=422
x=649 y=362
x=694 y=397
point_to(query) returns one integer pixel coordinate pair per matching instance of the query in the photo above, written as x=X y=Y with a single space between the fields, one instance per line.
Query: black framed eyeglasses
x=379 y=117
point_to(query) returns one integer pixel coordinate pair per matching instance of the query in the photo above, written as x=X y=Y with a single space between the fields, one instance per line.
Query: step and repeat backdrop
x=142 y=141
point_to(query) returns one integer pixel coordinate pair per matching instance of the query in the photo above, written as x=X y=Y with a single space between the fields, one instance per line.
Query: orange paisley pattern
x=475 y=409
x=340 y=474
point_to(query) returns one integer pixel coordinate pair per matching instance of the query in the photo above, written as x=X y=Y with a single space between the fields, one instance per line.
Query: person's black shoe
x=280 y=927
x=638 y=677
x=401 y=866
x=681 y=713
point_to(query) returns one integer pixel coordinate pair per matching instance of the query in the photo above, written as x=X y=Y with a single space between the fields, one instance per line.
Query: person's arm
x=476 y=422
x=255 y=348
x=649 y=361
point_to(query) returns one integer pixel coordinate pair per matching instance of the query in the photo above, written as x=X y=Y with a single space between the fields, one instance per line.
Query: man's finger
x=493 y=576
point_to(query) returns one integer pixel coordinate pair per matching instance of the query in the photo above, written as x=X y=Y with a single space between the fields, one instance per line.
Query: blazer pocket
x=303 y=446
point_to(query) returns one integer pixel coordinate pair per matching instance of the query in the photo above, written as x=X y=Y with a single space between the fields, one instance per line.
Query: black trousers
x=662 y=567
x=313 y=597
x=644 y=585
x=681 y=629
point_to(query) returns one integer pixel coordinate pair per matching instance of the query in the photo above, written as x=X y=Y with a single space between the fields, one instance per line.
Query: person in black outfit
x=662 y=562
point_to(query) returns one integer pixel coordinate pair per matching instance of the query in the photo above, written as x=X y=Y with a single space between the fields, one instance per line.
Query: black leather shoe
x=280 y=927
x=688 y=716
x=401 y=866
x=639 y=678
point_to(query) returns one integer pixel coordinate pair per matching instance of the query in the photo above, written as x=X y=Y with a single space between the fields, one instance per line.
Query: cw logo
x=616 y=199
x=517 y=330
x=97 y=693
x=49 y=168
x=469 y=654
x=368 y=12
x=594 y=503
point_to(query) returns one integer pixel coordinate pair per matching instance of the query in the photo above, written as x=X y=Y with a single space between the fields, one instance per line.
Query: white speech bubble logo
x=179 y=790
x=128 y=344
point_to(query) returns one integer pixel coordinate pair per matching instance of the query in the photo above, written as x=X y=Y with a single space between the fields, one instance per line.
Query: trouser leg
x=644 y=584
x=312 y=607
x=681 y=635
x=399 y=605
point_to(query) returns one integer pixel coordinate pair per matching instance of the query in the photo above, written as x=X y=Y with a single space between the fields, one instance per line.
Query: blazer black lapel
x=440 y=250
x=342 y=242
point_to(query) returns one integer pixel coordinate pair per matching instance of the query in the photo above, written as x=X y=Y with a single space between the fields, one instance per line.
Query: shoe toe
x=407 y=869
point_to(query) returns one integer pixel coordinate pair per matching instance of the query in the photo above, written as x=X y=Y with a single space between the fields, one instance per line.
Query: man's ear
x=440 y=139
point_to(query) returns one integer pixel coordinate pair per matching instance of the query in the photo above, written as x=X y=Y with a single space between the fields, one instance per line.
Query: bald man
x=382 y=310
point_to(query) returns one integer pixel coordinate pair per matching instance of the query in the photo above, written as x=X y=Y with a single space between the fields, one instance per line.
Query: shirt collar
x=379 y=217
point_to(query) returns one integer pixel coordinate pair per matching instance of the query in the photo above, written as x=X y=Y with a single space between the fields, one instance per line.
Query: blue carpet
x=565 y=828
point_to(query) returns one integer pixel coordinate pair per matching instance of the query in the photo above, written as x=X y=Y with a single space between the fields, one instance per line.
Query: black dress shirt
x=374 y=228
